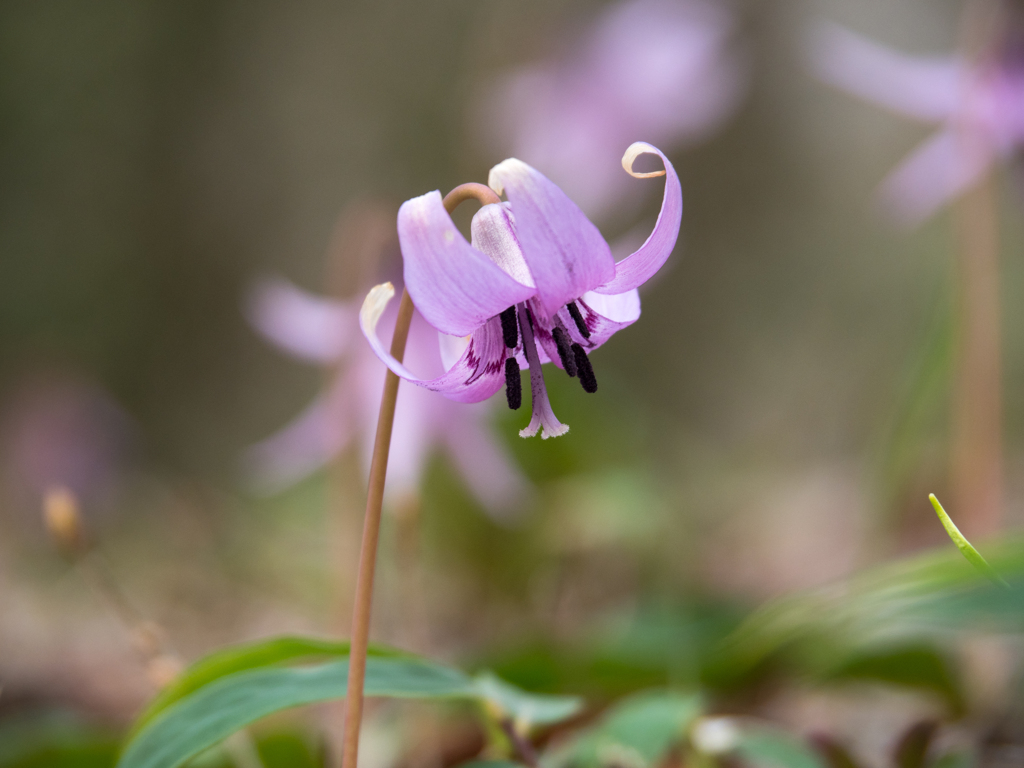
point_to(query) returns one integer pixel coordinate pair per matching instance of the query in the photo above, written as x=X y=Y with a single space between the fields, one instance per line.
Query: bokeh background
x=774 y=421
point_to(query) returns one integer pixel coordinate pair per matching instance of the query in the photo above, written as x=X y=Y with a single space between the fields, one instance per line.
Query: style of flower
x=663 y=69
x=322 y=331
x=980 y=108
x=537 y=284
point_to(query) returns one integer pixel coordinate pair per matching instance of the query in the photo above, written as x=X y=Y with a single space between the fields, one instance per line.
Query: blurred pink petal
x=980 y=109
x=490 y=472
x=347 y=412
x=923 y=87
x=657 y=70
x=933 y=175
x=305 y=444
x=307 y=326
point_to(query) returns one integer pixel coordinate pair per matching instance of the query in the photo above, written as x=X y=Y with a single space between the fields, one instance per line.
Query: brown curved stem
x=375 y=501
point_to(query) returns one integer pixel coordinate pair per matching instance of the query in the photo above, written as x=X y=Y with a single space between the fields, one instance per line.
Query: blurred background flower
x=978 y=104
x=662 y=71
x=326 y=332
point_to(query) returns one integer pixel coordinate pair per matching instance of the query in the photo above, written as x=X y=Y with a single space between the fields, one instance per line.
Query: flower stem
x=375 y=501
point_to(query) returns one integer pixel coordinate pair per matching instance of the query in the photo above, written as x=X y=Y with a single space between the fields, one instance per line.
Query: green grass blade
x=966 y=549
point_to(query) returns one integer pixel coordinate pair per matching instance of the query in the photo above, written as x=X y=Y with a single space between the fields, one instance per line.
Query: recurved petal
x=476 y=375
x=565 y=252
x=453 y=285
x=640 y=266
x=307 y=326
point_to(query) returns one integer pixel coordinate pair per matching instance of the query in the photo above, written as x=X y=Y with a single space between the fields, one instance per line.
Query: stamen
x=584 y=369
x=564 y=350
x=543 y=417
x=510 y=328
x=578 y=319
x=513 y=384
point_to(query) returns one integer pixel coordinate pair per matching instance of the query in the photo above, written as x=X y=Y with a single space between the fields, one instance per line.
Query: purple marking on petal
x=309 y=327
x=923 y=87
x=453 y=285
x=565 y=252
x=477 y=375
x=640 y=266
x=543 y=419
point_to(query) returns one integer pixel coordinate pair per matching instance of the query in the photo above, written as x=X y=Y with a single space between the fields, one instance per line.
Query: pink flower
x=980 y=111
x=653 y=68
x=321 y=331
x=538 y=284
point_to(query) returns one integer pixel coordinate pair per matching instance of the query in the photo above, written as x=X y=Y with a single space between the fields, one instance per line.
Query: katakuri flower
x=538 y=284
x=980 y=108
x=667 y=70
x=321 y=331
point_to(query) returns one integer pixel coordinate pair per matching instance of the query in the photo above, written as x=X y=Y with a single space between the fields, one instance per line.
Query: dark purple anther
x=584 y=369
x=565 y=353
x=577 y=318
x=510 y=328
x=513 y=384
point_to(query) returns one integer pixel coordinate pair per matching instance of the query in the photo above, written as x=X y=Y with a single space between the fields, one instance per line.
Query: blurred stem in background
x=977 y=454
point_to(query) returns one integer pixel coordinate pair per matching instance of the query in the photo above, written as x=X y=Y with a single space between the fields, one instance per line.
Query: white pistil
x=543 y=417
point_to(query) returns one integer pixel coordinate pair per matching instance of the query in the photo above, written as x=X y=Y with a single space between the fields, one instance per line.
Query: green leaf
x=636 y=732
x=220 y=708
x=966 y=549
x=526 y=709
x=913 y=665
x=238 y=658
x=881 y=607
x=490 y=764
x=773 y=748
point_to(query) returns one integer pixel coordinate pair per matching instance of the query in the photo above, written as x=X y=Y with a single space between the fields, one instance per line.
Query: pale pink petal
x=927 y=88
x=565 y=252
x=934 y=174
x=305 y=444
x=637 y=268
x=307 y=326
x=485 y=463
x=477 y=375
x=453 y=285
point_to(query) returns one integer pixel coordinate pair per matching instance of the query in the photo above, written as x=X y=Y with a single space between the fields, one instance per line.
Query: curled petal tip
x=636 y=149
x=375 y=303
